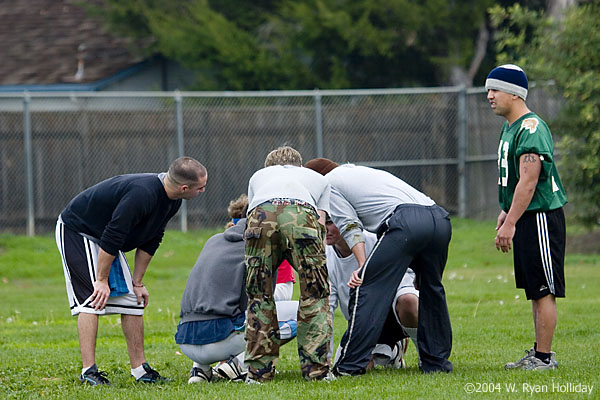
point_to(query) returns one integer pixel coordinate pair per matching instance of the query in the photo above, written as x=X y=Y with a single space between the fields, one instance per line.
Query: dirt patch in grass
x=586 y=243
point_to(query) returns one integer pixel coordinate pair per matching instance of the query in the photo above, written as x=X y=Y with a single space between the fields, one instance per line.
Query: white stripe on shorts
x=544 y=243
x=59 y=235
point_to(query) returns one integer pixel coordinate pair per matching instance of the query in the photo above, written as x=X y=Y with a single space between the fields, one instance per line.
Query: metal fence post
x=183 y=222
x=28 y=166
x=462 y=152
x=318 y=123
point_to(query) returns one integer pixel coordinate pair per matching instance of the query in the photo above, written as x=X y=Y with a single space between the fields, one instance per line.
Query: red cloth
x=285 y=273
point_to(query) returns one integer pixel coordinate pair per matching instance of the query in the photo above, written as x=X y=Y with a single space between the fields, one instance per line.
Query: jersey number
x=503 y=163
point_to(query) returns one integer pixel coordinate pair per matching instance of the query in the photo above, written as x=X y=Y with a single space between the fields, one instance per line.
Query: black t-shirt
x=125 y=212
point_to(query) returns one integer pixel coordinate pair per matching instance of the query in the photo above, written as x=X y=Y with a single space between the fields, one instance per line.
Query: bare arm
x=530 y=167
x=101 y=288
x=360 y=254
x=142 y=259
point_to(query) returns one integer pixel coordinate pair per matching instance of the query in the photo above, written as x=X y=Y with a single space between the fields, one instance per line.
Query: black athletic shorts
x=79 y=256
x=539 y=253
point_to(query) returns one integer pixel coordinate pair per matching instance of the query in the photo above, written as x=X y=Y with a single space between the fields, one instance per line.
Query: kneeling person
x=213 y=309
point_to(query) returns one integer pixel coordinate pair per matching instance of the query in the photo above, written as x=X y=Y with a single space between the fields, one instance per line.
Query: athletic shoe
x=94 y=377
x=251 y=381
x=535 y=364
x=328 y=377
x=198 y=375
x=337 y=372
x=232 y=370
x=523 y=361
x=398 y=362
x=215 y=375
x=151 y=376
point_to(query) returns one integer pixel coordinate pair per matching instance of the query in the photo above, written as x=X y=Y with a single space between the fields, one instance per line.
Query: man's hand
x=505 y=234
x=530 y=166
x=504 y=237
x=355 y=280
x=100 y=295
x=501 y=219
x=142 y=294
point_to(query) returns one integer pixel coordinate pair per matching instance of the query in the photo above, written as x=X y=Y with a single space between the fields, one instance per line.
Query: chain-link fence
x=53 y=145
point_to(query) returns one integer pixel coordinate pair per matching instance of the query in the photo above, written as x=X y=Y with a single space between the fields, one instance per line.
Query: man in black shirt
x=94 y=231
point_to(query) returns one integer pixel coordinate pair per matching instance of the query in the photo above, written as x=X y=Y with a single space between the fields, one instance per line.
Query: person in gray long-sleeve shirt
x=117 y=215
x=412 y=230
x=213 y=309
x=213 y=305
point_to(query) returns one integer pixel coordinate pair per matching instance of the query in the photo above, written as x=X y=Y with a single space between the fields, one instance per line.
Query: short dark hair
x=321 y=165
x=186 y=171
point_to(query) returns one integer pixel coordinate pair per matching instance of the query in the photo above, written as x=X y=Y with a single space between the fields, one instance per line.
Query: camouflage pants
x=292 y=232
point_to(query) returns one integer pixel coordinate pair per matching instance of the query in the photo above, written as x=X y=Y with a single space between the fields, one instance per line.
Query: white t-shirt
x=362 y=197
x=340 y=270
x=289 y=182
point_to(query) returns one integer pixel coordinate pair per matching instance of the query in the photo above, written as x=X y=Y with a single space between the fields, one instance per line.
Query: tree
x=382 y=43
x=566 y=50
x=302 y=44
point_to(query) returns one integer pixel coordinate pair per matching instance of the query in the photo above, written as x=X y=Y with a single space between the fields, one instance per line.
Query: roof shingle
x=39 y=42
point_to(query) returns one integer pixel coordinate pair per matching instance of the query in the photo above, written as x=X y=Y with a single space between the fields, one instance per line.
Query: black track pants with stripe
x=415 y=236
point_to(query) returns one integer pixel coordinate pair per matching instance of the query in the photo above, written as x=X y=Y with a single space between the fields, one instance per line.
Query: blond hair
x=237 y=207
x=284 y=155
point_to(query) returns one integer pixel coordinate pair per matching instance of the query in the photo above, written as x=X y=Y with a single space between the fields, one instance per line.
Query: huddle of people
x=357 y=237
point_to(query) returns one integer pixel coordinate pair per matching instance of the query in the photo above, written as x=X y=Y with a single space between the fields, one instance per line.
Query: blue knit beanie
x=508 y=78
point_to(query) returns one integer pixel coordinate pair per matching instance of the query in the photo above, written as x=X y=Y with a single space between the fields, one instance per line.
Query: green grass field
x=491 y=320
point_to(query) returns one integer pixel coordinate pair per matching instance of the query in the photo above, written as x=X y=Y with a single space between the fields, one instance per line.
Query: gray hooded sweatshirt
x=216 y=286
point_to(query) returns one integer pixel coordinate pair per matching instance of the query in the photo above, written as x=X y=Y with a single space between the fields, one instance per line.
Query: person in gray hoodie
x=213 y=309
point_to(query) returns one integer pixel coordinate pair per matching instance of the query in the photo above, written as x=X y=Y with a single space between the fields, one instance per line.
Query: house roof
x=44 y=42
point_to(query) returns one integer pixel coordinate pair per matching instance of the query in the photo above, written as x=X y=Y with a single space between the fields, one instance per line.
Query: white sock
x=203 y=367
x=412 y=333
x=138 y=372
x=84 y=370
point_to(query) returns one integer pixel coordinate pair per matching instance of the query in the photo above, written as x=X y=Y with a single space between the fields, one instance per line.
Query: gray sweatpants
x=415 y=236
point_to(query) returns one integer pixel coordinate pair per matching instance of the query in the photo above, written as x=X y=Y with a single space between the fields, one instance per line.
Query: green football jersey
x=529 y=134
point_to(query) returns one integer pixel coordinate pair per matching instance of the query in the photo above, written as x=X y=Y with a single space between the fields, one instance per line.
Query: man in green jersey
x=531 y=198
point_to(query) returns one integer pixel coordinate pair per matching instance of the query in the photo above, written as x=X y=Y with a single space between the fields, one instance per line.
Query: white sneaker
x=535 y=364
x=251 y=381
x=197 y=375
x=232 y=370
x=328 y=378
x=523 y=361
x=398 y=361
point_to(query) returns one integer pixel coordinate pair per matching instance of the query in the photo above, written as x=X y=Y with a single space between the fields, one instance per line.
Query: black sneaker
x=94 y=377
x=151 y=376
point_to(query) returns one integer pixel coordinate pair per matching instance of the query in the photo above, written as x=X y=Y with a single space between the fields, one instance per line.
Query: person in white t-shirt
x=286 y=221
